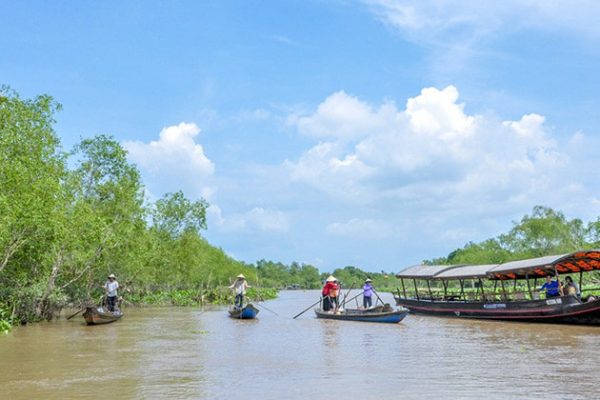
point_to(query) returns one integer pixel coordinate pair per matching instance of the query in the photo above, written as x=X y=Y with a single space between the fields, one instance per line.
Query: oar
x=377 y=295
x=351 y=298
x=346 y=295
x=261 y=306
x=260 y=298
x=307 y=308
x=83 y=309
x=68 y=318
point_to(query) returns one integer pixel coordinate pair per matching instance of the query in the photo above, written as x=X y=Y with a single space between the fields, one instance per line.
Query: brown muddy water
x=188 y=353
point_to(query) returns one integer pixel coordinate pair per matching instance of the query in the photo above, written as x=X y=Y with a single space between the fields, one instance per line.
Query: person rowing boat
x=330 y=293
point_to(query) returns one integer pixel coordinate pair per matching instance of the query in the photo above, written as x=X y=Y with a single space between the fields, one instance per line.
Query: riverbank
x=146 y=298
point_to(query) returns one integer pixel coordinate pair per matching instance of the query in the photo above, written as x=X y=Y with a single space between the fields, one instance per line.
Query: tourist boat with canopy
x=505 y=291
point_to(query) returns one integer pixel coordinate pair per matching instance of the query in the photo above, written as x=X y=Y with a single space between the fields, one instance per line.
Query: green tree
x=31 y=169
x=544 y=232
x=175 y=214
x=107 y=210
x=487 y=252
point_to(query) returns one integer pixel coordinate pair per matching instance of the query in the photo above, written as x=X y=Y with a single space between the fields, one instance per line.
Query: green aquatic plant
x=5 y=325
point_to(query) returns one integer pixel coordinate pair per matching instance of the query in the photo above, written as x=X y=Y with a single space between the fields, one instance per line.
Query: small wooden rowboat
x=97 y=315
x=246 y=312
x=384 y=314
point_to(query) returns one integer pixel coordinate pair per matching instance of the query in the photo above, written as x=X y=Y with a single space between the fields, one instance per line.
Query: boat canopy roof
x=425 y=271
x=587 y=260
x=466 y=272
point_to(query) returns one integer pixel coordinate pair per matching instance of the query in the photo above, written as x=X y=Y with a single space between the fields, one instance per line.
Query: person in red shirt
x=330 y=293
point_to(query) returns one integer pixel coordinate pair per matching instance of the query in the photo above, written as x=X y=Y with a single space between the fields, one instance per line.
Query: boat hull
x=97 y=316
x=565 y=310
x=389 y=317
x=247 y=312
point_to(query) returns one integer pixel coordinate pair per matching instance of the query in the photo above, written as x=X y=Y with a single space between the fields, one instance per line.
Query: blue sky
x=368 y=133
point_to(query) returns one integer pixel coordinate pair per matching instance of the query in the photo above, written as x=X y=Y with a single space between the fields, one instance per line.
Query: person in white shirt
x=239 y=288
x=110 y=288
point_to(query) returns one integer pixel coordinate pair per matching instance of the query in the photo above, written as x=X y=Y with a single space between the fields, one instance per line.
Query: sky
x=376 y=133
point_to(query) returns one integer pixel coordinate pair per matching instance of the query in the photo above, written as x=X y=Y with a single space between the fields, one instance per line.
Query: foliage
x=353 y=277
x=67 y=220
x=63 y=230
x=544 y=232
x=5 y=324
x=174 y=214
x=279 y=275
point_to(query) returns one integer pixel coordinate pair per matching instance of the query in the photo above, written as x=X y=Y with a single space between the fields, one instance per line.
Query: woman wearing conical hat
x=330 y=293
x=367 y=293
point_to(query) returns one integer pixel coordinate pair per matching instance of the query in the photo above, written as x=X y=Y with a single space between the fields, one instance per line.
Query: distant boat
x=97 y=315
x=382 y=314
x=246 y=312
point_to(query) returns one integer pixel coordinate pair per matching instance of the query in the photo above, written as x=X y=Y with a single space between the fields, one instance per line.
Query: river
x=189 y=353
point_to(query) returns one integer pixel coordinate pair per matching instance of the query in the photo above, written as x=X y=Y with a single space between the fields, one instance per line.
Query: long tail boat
x=383 y=314
x=505 y=291
x=246 y=312
x=98 y=315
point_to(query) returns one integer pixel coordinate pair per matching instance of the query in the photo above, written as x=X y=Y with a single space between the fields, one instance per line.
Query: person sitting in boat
x=572 y=287
x=239 y=288
x=329 y=293
x=110 y=288
x=551 y=287
x=367 y=293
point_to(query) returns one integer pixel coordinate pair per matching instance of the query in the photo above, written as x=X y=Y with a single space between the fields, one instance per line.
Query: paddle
x=307 y=308
x=259 y=298
x=261 y=306
x=379 y=298
x=68 y=318
x=83 y=309
x=360 y=294
x=348 y=292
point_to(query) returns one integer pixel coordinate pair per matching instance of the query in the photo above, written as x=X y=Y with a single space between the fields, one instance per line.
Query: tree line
x=543 y=232
x=69 y=218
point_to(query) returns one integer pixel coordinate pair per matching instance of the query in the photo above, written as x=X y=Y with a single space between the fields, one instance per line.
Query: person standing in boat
x=367 y=293
x=110 y=289
x=551 y=287
x=239 y=288
x=329 y=293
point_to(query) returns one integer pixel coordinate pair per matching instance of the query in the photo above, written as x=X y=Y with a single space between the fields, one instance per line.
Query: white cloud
x=455 y=20
x=361 y=228
x=342 y=117
x=433 y=152
x=257 y=219
x=328 y=168
x=175 y=161
x=435 y=112
x=267 y=220
x=463 y=38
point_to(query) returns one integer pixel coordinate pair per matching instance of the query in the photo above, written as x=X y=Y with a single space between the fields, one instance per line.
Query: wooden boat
x=501 y=291
x=384 y=314
x=246 y=312
x=98 y=315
